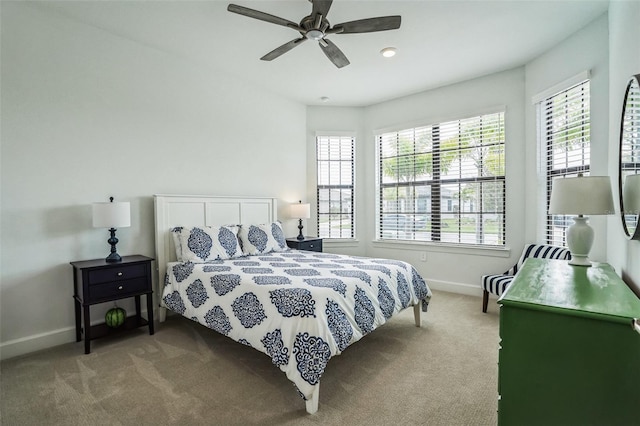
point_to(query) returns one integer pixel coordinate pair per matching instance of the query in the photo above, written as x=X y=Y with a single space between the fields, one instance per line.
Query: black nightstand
x=97 y=281
x=308 y=244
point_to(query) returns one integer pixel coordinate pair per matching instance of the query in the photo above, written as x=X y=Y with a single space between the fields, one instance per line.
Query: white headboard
x=202 y=210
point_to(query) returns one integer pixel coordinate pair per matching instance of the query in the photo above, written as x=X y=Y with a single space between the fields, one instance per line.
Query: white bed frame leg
x=162 y=314
x=416 y=314
x=312 y=404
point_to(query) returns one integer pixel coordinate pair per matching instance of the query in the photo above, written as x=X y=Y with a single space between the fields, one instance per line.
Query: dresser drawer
x=116 y=290
x=123 y=272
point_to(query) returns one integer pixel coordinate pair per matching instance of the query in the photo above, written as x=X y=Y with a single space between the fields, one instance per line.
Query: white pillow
x=261 y=239
x=175 y=234
x=206 y=243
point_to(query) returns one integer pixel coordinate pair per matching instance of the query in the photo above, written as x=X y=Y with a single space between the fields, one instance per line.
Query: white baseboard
x=451 y=287
x=37 y=342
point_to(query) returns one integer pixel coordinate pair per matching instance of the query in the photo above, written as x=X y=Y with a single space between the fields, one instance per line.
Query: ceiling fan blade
x=333 y=53
x=256 y=14
x=282 y=49
x=321 y=7
x=368 y=25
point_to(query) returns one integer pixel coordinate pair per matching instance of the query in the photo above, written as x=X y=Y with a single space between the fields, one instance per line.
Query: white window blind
x=444 y=182
x=630 y=142
x=335 y=164
x=565 y=133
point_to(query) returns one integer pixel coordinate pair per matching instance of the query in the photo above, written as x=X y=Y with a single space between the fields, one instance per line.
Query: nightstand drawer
x=308 y=244
x=123 y=272
x=315 y=245
x=117 y=290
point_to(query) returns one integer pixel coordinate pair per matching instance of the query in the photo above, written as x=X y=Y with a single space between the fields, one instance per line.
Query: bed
x=223 y=262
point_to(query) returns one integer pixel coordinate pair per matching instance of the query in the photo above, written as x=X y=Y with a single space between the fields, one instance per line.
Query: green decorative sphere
x=115 y=317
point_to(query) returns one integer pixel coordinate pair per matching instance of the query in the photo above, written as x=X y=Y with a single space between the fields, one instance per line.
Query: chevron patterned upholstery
x=497 y=284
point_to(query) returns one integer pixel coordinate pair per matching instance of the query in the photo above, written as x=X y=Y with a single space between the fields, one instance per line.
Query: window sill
x=340 y=242
x=444 y=248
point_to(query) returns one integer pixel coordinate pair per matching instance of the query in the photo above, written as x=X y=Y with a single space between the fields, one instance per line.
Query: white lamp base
x=580 y=240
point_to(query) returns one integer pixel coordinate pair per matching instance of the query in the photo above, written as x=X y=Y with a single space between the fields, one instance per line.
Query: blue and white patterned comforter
x=300 y=308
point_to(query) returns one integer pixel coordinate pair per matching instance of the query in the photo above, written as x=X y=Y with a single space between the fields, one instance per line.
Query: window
x=564 y=121
x=444 y=182
x=335 y=158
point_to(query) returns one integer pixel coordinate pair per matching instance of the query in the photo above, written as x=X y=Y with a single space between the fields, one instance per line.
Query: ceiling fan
x=317 y=27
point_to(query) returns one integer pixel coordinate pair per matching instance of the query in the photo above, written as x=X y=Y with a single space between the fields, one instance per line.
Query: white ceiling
x=439 y=42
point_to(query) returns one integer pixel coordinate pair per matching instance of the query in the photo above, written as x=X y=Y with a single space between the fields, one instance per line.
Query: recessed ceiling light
x=324 y=99
x=388 y=52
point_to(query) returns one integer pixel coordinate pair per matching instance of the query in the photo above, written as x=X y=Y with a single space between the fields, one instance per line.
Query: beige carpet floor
x=444 y=373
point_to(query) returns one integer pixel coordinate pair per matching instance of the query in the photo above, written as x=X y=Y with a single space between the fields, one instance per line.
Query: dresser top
x=553 y=285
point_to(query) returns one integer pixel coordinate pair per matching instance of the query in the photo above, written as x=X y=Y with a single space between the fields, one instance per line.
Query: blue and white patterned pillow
x=206 y=243
x=262 y=239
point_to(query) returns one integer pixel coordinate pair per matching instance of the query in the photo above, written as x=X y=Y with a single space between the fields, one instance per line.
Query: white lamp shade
x=111 y=215
x=301 y=211
x=583 y=195
x=631 y=194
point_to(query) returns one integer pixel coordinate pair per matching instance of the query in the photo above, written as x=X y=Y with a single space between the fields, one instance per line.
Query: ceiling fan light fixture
x=314 y=34
x=388 y=52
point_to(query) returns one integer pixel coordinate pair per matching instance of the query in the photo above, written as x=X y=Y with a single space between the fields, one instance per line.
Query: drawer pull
x=119 y=274
x=311 y=245
x=120 y=288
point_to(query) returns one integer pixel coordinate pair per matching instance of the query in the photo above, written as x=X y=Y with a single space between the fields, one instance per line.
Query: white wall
x=86 y=115
x=493 y=93
x=502 y=91
x=460 y=269
x=624 y=60
x=344 y=121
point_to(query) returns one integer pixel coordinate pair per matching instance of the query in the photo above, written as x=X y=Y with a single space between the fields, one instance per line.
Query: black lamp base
x=300 y=236
x=114 y=256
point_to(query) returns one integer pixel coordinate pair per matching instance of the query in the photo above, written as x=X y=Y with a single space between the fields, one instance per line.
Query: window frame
x=322 y=186
x=437 y=182
x=554 y=226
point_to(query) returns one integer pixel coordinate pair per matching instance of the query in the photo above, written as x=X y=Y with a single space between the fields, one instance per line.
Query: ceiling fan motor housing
x=314 y=26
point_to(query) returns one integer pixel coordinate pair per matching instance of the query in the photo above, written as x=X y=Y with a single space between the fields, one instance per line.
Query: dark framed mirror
x=629 y=183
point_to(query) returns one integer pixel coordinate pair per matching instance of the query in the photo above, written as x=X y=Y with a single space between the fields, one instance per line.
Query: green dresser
x=569 y=354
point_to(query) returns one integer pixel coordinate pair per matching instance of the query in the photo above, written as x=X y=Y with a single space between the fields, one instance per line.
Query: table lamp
x=582 y=195
x=300 y=211
x=112 y=215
